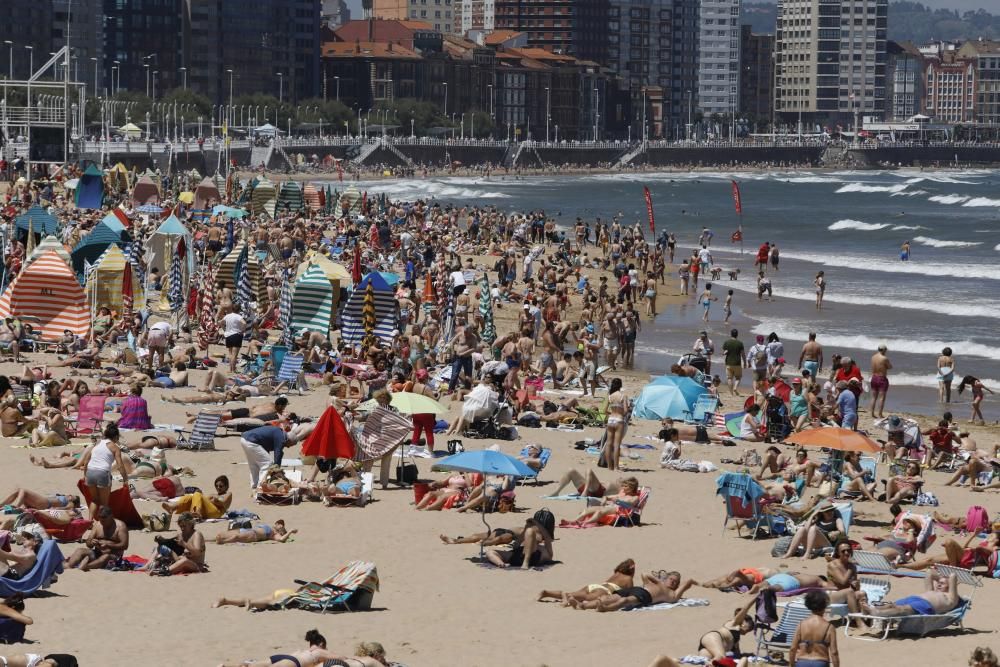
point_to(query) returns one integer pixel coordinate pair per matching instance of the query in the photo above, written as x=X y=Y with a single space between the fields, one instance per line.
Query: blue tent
x=390 y=279
x=90 y=189
x=352 y=330
x=661 y=400
x=42 y=222
x=689 y=388
x=93 y=245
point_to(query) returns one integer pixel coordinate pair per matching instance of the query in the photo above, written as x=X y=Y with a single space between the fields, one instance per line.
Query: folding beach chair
x=703 y=410
x=742 y=494
x=89 y=418
x=543 y=459
x=48 y=564
x=922 y=624
x=290 y=371
x=350 y=589
x=631 y=515
x=869 y=467
x=779 y=637
x=23 y=396
x=367 y=487
x=202 y=433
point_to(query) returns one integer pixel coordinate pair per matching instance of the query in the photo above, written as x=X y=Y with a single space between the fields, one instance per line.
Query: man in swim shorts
x=880 y=381
x=940 y=597
x=658 y=588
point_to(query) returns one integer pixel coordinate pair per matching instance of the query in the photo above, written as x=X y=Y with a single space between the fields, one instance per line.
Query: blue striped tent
x=352 y=330
x=94 y=244
x=312 y=302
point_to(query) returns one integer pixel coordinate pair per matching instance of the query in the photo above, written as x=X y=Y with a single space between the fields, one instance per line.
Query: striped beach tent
x=350 y=200
x=93 y=245
x=337 y=274
x=161 y=244
x=49 y=243
x=226 y=273
x=39 y=220
x=105 y=282
x=264 y=198
x=48 y=290
x=384 y=300
x=310 y=197
x=312 y=302
x=290 y=197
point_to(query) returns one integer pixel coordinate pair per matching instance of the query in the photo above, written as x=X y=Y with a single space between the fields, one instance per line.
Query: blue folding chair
x=742 y=495
x=702 y=410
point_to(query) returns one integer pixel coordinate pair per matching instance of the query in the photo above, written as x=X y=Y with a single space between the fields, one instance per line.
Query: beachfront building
x=950 y=84
x=474 y=15
x=756 y=76
x=904 y=74
x=440 y=14
x=335 y=13
x=145 y=46
x=985 y=55
x=719 y=57
x=830 y=61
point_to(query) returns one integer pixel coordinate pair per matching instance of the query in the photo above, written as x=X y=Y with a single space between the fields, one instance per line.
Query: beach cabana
x=206 y=195
x=162 y=244
x=264 y=198
x=226 y=274
x=41 y=222
x=46 y=244
x=93 y=245
x=290 y=197
x=118 y=177
x=48 y=291
x=131 y=130
x=351 y=200
x=310 y=197
x=353 y=330
x=106 y=281
x=145 y=192
x=312 y=302
x=90 y=188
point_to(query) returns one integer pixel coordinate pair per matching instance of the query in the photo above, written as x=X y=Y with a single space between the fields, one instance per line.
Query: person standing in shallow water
x=820 y=284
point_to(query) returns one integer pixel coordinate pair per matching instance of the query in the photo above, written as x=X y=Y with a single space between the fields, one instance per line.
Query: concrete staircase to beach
x=366 y=150
x=511 y=161
x=626 y=159
x=260 y=155
x=398 y=153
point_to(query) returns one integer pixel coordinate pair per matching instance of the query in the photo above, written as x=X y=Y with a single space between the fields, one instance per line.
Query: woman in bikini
x=28 y=499
x=622 y=577
x=587 y=485
x=446 y=493
x=945 y=375
x=262 y=532
x=901 y=544
x=815 y=641
x=618 y=408
x=628 y=496
x=717 y=643
x=745 y=577
x=317 y=653
x=51 y=431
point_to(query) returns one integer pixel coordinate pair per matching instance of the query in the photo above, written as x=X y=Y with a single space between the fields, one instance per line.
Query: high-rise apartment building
x=474 y=15
x=985 y=54
x=145 y=44
x=830 y=59
x=904 y=70
x=950 y=83
x=719 y=56
x=756 y=75
x=335 y=13
x=439 y=13
x=683 y=91
x=549 y=24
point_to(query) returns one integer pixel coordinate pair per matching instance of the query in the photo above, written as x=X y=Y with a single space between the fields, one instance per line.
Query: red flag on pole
x=356 y=266
x=736 y=198
x=649 y=209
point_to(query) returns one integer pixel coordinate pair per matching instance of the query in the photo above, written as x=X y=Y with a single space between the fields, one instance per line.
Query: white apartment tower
x=719 y=56
x=830 y=59
x=474 y=15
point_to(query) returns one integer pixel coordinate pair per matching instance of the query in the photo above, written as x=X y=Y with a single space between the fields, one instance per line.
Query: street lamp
x=281 y=87
x=95 y=76
x=116 y=82
x=337 y=79
x=156 y=74
x=445 y=98
x=146 y=65
x=489 y=87
x=31 y=60
x=184 y=76
x=10 y=57
x=230 y=73
x=548 y=109
x=689 y=128
x=597 y=111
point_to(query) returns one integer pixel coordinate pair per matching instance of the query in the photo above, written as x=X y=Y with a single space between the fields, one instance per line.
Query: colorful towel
x=683 y=602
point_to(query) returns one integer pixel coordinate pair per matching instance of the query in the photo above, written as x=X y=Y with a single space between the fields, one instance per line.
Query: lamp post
x=10 y=57
x=445 y=98
x=146 y=65
x=548 y=111
x=337 y=80
x=156 y=74
x=116 y=77
x=184 y=77
x=689 y=127
x=489 y=87
x=31 y=60
x=95 y=75
x=597 y=111
x=412 y=135
x=147 y=126
x=281 y=87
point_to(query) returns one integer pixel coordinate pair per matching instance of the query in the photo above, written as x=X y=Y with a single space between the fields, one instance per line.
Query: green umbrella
x=416 y=404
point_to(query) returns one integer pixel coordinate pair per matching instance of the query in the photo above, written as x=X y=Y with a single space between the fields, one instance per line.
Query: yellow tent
x=104 y=285
x=118 y=177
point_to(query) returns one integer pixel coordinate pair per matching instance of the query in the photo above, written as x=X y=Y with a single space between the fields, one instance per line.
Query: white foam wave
x=861 y=187
x=908 y=193
x=988 y=309
x=997 y=247
x=856 y=224
x=914 y=380
x=883 y=265
x=948 y=199
x=982 y=201
x=410 y=190
x=938 y=243
x=812 y=179
x=899 y=228
x=800 y=331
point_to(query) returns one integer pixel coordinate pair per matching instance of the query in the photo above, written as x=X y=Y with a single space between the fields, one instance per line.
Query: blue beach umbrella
x=661 y=400
x=689 y=388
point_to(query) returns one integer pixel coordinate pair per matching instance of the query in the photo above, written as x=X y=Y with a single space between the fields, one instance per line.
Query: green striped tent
x=351 y=199
x=264 y=198
x=290 y=197
x=312 y=302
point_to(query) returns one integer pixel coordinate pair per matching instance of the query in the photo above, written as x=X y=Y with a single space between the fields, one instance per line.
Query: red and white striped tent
x=48 y=293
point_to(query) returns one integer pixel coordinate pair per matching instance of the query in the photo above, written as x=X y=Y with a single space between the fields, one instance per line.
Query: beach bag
x=927 y=498
x=766 y=612
x=977 y=519
x=11 y=632
x=156 y=522
x=407 y=473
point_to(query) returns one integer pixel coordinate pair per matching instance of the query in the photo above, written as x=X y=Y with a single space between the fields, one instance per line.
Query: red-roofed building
x=411 y=34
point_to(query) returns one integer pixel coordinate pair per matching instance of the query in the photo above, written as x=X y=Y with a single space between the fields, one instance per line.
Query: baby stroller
x=495 y=426
x=778 y=423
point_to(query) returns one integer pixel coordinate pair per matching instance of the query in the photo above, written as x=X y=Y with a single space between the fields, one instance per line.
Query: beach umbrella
x=485 y=462
x=150 y=209
x=208 y=328
x=330 y=439
x=133 y=255
x=657 y=401
x=690 y=389
x=416 y=404
x=368 y=317
x=834 y=437
x=486 y=311
x=230 y=234
x=285 y=313
x=175 y=295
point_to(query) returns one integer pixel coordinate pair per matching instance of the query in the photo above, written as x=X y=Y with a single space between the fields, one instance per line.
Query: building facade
x=680 y=108
x=33 y=28
x=145 y=45
x=438 y=13
x=756 y=75
x=985 y=55
x=474 y=15
x=950 y=85
x=549 y=24
x=904 y=76
x=719 y=56
x=830 y=59
x=335 y=13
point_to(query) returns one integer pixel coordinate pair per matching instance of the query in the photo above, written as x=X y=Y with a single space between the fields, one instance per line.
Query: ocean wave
x=411 y=190
x=914 y=380
x=800 y=331
x=861 y=187
x=988 y=309
x=893 y=265
x=982 y=201
x=943 y=176
x=948 y=199
x=938 y=243
x=856 y=224
x=899 y=228
x=908 y=193
x=812 y=179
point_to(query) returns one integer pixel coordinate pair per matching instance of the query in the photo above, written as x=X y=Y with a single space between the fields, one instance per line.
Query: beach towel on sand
x=684 y=602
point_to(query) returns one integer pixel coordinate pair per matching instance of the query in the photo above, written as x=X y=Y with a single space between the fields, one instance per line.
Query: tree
x=202 y=105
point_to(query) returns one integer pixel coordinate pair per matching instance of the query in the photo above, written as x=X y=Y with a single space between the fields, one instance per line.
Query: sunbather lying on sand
x=36 y=660
x=622 y=577
x=202 y=506
x=789 y=581
x=695 y=433
x=316 y=654
x=496 y=537
x=587 y=485
x=28 y=499
x=262 y=532
x=745 y=577
x=962 y=555
x=715 y=644
x=658 y=588
x=627 y=497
